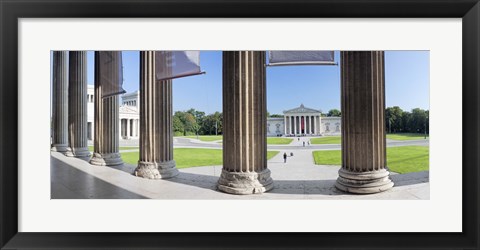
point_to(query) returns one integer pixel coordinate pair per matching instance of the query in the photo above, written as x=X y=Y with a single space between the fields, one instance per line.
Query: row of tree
x=399 y=121
x=194 y=122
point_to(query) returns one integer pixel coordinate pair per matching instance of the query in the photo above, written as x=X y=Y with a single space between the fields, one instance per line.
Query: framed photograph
x=53 y=198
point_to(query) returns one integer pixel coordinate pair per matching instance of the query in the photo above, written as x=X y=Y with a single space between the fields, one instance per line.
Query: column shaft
x=106 y=113
x=319 y=122
x=363 y=130
x=290 y=125
x=60 y=101
x=77 y=105
x=304 y=125
x=295 y=125
x=156 y=134
x=311 y=122
x=244 y=108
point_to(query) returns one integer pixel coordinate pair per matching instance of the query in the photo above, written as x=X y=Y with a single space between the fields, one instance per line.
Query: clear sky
x=406 y=83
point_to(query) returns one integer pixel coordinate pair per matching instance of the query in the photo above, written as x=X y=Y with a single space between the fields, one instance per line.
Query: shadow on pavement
x=81 y=185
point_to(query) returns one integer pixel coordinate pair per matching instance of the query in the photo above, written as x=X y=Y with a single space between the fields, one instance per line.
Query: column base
x=59 y=148
x=363 y=182
x=108 y=159
x=245 y=183
x=156 y=170
x=78 y=152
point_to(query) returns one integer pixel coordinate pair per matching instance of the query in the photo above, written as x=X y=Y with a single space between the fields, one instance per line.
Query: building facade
x=129 y=114
x=303 y=121
x=244 y=168
x=295 y=122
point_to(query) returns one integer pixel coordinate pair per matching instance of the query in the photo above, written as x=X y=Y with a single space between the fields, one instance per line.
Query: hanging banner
x=110 y=69
x=176 y=64
x=288 y=58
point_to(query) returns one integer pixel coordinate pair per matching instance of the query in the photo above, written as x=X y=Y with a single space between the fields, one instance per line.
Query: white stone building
x=129 y=115
x=299 y=121
x=303 y=121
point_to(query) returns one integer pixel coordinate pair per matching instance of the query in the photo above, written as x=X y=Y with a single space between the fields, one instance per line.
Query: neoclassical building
x=128 y=114
x=297 y=121
x=245 y=169
x=303 y=121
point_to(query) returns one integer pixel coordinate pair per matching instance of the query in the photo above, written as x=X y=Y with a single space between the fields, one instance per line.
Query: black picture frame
x=11 y=11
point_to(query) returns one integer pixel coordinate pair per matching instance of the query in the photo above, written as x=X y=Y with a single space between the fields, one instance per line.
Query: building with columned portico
x=245 y=169
x=297 y=121
x=303 y=121
x=129 y=114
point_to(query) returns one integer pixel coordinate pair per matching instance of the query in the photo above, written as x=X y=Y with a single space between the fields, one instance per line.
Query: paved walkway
x=299 y=178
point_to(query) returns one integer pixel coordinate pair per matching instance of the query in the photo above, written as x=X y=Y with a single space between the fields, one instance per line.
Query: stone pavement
x=299 y=178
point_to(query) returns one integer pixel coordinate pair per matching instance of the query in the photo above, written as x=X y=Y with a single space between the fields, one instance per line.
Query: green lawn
x=326 y=140
x=191 y=157
x=205 y=137
x=406 y=136
x=278 y=140
x=270 y=140
x=399 y=159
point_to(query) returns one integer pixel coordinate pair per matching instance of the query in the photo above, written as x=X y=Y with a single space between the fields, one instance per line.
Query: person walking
x=304 y=143
x=285 y=157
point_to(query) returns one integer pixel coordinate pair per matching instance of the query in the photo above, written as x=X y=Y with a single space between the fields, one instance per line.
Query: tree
x=190 y=123
x=418 y=121
x=334 y=112
x=393 y=119
x=277 y=116
x=178 y=124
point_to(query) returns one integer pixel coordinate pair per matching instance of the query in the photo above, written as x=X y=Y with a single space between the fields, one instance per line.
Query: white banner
x=175 y=64
x=319 y=57
x=110 y=69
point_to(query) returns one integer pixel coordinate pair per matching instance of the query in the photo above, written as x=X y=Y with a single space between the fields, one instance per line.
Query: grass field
x=338 y=140
x=406 y=136
x=326 y=140
x=399 y=159
x=191 y=157
x=270 y=140
x=278 y=140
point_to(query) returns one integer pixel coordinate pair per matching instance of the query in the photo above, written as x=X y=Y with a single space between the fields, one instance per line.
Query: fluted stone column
x=77 y=105
x=295 y=125
x=156 y=132
x=363 y=130
x=304 y=125
x=319 y=122
x=312 y=125
x=285 y=124
x=244 y=117
x=106 y=114
x=60 y=101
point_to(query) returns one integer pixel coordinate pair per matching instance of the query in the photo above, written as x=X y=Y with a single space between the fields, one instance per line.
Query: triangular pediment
x=301 y=109
x=128 y=109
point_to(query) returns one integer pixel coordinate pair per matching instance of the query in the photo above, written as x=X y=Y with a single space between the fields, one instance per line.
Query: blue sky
x=406 y=83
